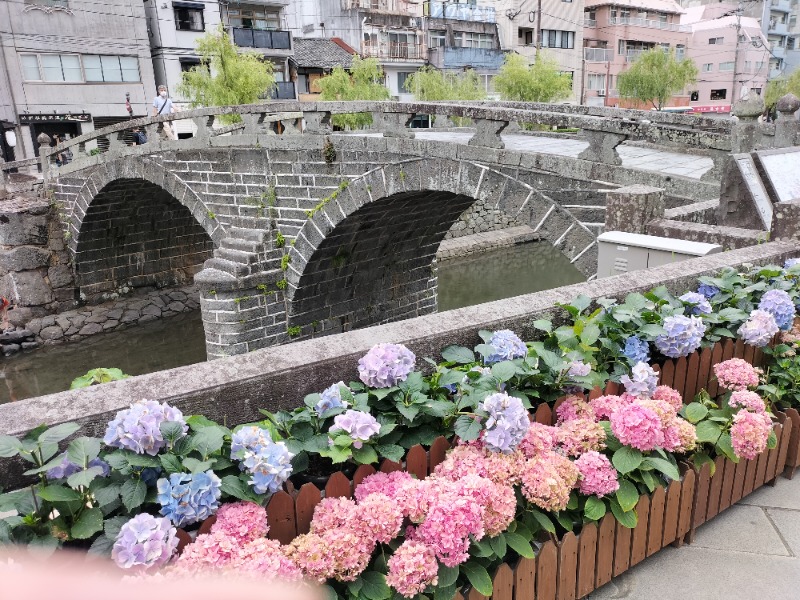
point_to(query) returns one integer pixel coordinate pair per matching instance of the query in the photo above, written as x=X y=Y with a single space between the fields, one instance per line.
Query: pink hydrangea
x=266 y=559
x=210 y=550
x=243 y=521
x=748 y=400
x=736 y=374
x=603 y=406
x=638 y=426
x=598 y=475
x=669 y=395
x=499 y=501
x=380 y=517
x=574 y=407
x=415 y=498
x=548 y=480
x=332 y=514
x=474 y=458
x=412 y=568
x=686 y=434
x=337 y=554
x=382 y=483
x=750 y=433
x=581 y=435
x=538 y=439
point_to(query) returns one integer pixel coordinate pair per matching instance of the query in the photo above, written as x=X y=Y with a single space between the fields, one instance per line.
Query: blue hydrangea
x=189 y=498
x=779 y=304
x=139 y=427
x=386 y=365
x=507 y=346
x=790 y=262
x=759 y=329
x=709 y=291
x=331 y=398
x=683 y=336
x=270 y=465
x=66 y=468
x=642 y=381
x=247 y=439
x=636 y=350
x=507 y=422
x=700 y=304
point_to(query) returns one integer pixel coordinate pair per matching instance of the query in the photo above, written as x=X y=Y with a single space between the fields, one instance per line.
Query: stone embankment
x=485 y=241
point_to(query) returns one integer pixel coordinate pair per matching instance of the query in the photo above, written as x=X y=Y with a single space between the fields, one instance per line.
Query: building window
x=716 y=40
x=759 y=65
x=525 y=37
x=757 y=91
x=708 y=67
x=694 y=96
x=596 y=81
x=790 y=42
x=680 y=51
x=553 y=38
x=719 y=94
x=467 y=39
x=111 y=69
x=438 y=39
x=253 y=17
x=30 y=67
x=402 y=77
x=726 y=66
x=748 y=66
x=61 y=67
x=188 y=63
x=188 y=17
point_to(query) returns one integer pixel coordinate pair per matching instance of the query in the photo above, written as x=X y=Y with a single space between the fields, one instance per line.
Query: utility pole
x=736 y=52
x=538 y=28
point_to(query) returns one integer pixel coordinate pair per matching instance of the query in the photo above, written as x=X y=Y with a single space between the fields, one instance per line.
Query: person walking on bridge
x=162 y=105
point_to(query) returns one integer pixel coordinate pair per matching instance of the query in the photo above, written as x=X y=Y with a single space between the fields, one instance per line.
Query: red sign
x=720 y=108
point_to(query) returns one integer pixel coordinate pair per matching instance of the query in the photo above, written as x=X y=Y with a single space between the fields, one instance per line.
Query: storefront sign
x=722 y=108
x=27 y=119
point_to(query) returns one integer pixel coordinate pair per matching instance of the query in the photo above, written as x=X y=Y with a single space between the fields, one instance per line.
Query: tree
x=540 y=82
x=655 y=77
x=430 y=84
x=226 y=75
x=778 y=88
x=363 y=82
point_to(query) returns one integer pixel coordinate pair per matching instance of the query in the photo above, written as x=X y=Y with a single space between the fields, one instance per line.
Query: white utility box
x=620 y=252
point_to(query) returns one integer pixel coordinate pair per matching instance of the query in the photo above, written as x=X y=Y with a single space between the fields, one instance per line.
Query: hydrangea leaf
x=594 y=509
x=102 y=546
x=665 y=466
x=89 y=523
x=458 y=354
x=627 y=495
x=391 y=451
x=374 y=586
x=708 y=431
x=447 y=575
x=626 y=519
x=468 y=428
x=726 y=447
x=170 y=463
x=626 y=459
x=478 y=577
x=503 y=371
x=196 y=466
x=498 y=544
x=84 y=478
x=83 y=449
x=9 y=446
x=58 y=433
x=695 y=412
x=58 y=493
x=365 y=455
x=133 y=493
x=519 y=545
x=772 y=441
x=409 y=412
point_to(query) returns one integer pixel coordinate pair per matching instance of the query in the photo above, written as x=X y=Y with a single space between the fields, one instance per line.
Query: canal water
x=178 y=341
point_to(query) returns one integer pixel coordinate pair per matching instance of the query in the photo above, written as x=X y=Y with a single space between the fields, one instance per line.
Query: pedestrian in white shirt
x=162 y=105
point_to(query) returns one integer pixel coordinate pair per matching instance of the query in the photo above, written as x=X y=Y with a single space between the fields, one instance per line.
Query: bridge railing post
x=317 y=122
x=631 y=208
x=487 y=133
x=787 y=126
x=44 y=155
x=3 y=190
x=203 y=125
x=602 y=146
x=252 y=123
x=393 y=124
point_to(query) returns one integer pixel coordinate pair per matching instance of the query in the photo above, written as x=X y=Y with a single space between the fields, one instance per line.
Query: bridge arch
x=134 y=224
x=365 y=255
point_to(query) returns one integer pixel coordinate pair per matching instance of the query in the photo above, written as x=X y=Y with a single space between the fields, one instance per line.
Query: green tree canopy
x=777 y=88
x=363 y=82
x=431 y=84
x=655 y=77
x=226 y=74
x=540 y=82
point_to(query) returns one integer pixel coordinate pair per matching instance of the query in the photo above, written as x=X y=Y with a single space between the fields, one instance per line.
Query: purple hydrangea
x=779 y=304
x=386 y=365
x=506 y=424
x=331 y=398
x=700 y=304
x=759 y=329
x=790 y=262
x=507 y=346
x=189 y=498
x=139 y=427
x=144 y=542
x=578 y=368
x=247 y=439
x=66 y=468
x=709 y=291
x=642 y=381
x=270 y=465
x=683 y=336
x=358 y=425
x=636 y=350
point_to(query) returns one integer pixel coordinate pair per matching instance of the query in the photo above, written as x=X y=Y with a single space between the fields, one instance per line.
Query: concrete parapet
x=730 y=238
x=631 y=208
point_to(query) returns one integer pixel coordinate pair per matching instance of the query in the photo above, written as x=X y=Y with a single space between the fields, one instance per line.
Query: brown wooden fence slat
x=750 y=354
x=567 y=567
x=715 y=489
x=595 y=393
x=605 y=550
x=389 y=466
x=687 y=502
x=417 y=462
x=280 y=516
x=772 y=455
x=184 y=539
x=726 y=492
x=639 y=535
x=503 y=583
x=728 y=346
x=338 y=486
x=587 y=559
x=458 y=596
x=680 y=378
x=656 y=529
x=556 y=404
x=738 y=481
x=544 y=415
x=761 y=467
x=702 y=484
x=716 y=358
x=749 y=477
x=789 y=427
x=304 y=505
x=671 y=513
x=692 y=374
x=476 y=595
x=738 y=349
x=612 y=388
x=668 y=373
x=704 y=373
x=438 y=452
x=622 y=549
x=525 y=578
x=362 y=472
x=793 y=448
x=546 y=565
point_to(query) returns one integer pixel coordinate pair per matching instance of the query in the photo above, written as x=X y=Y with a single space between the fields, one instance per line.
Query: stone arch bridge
x=292 y=230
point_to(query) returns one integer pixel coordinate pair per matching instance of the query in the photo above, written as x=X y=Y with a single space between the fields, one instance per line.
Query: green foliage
x=226 y=75
x=281 y=284
x=429 y=84
x=280 y=241
x=96 y=377
x=285 y=260
x=540 y=82
x=363 y=82
x=655 y=77
x=777 y=88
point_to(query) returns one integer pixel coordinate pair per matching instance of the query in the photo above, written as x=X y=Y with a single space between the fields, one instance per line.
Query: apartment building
x=68 y=66
x=558 y=30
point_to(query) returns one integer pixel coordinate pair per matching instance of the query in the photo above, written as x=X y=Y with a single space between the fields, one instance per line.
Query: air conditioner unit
x=601 y=93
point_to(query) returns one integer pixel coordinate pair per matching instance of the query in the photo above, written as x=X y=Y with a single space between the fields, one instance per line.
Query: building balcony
x=483 y=59
x=590 y=22
x=397 y=7
x=649 y=24
x=280 y=41
x=781 y=5
x=598 y=54
x=460 y=12
x=283 y=90
x=776 y=27
x=777 y=51
x=396 y=52
x=632 y=55
x=775 y=72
